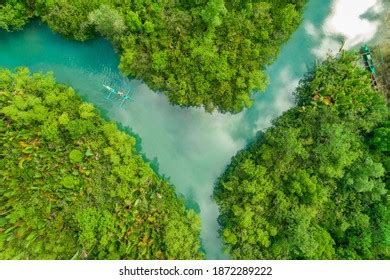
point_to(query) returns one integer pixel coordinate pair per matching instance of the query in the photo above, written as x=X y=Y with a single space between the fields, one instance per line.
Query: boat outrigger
x=118 y=95
x=369 y=64
x=367 y=58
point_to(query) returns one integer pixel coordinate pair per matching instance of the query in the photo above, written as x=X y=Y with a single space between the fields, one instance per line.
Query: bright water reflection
x=191 y=147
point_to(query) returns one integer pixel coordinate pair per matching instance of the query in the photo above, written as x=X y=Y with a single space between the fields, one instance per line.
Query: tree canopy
x=13 y=15
x=314 y=186
x=73 y=186
x=209 y=53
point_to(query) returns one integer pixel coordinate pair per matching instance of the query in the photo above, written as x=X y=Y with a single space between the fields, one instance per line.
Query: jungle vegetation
x=383 y=57
x=316 y=184
x=72 y=185
x=209 y=53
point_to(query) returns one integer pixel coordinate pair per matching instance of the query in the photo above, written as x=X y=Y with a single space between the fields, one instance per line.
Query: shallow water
x=190 y=146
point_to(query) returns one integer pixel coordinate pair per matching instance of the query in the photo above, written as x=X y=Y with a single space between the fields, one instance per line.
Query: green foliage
x=133 y=21
x=70 y=181
x=107 y=21
x=209 y=53
x=160 y=60
x=13 y=15
x=76 y=156
x=381 y=137
x=72 y=185
x=313 y=186
x=213 y=12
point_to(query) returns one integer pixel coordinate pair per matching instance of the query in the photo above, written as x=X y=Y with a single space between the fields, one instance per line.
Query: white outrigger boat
x=117 y=95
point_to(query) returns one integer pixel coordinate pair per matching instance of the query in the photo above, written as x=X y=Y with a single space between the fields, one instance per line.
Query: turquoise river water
x=189 y=146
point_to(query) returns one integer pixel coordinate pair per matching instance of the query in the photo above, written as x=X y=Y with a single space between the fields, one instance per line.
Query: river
x=189 y=146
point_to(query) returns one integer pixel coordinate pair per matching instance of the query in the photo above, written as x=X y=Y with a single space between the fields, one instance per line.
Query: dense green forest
x=73 y=186
x=314 y=186
x=209 y=53
x=383 y=57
